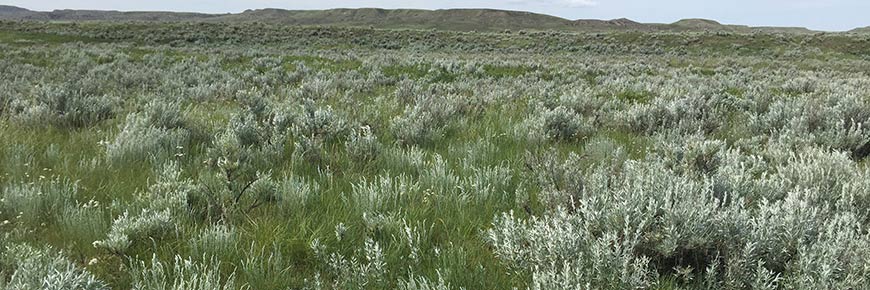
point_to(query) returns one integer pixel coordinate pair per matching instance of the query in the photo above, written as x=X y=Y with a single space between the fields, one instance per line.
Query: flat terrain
x=200 y=155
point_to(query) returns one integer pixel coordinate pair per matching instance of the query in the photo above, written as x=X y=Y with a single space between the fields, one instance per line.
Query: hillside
x=712 y=25
x=12 y=9
x=95 y=15
x=12 y=12
x=698 y=23
x=446 y=19
x=452 y=19
x=17 y=13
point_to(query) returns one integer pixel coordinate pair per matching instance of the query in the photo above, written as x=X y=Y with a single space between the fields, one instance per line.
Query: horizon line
x=438 y=9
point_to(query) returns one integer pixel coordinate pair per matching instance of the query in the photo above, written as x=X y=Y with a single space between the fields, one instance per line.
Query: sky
x=828 y=15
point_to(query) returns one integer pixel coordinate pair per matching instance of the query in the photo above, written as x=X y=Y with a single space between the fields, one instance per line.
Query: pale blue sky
x=831 y=15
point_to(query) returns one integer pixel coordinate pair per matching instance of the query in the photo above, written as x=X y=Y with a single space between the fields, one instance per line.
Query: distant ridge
x=452 y=19
x=12 y=9
x=17 y=13
x=445 y=19
x=707 y=24
x=698 y=23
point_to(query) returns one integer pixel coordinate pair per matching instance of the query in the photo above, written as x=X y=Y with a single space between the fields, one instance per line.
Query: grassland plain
x=258 y=156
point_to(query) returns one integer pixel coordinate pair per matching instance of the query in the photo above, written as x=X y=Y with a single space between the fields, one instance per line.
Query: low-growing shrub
x=428 y=119
x=417 y=126
x=363 y=145
x=422 y=283
x=384 y=192
x=140 y=140
x=556 y=124
x=35 y=203
x=562 y=124
x=43 y=268
x=295 y=192
x=317 y=122
x=63 y=107
x=366 y=268
x=181 y=274
x=216 y=240
x=127 y=229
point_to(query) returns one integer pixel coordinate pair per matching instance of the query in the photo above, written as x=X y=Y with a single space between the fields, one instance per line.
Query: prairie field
x=258 y=156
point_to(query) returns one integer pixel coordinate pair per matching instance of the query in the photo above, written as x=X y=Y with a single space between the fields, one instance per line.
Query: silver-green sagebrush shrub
x=216 y=240
x=127 y=228
x=692 y=154
x=439 y=178
x=246 y=129
x=428 y=119
x=63 y=107
x=485 y=183
x=837 y=122
x=166 y=114
x=383 y=192
x=600 y=239
x=689 y=114
x=140 y=139
x=417 y=126
x=234 y=160
x=558 y=124
x=37 y=202
x=779 y=227
x=563 y=254
x=159 y=209
x=746 y=174
x=745 y=222
x=363 y=145
x=604 y=150
x=408 y=90
x=317 y=87
x=830 y=174
x=321 y=123
x=559 y=180
x=170 y=190
x=422 y=283
x=366 y=268
x=295 y=192
x=309 y=149
x=836 y=259
x=43 y=268
x=405 y=159
x=181 y=274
